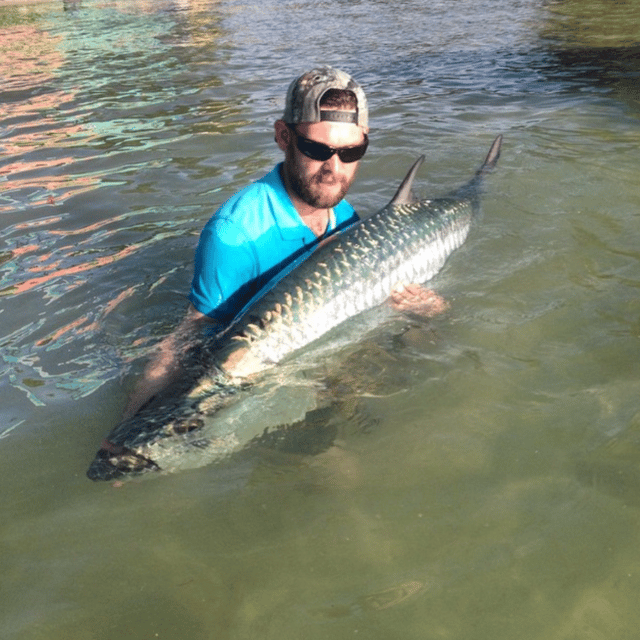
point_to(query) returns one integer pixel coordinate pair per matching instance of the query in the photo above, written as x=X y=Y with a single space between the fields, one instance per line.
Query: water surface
x=485 y=478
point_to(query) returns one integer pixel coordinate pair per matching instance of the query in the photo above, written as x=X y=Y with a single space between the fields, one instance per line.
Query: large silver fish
x=406 y=241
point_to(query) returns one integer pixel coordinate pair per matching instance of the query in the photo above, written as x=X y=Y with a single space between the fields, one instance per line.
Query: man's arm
x=166 y=363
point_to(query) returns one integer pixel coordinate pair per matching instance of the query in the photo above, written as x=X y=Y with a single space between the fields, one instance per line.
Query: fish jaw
x=140 y=455
x=112 y=462
x=136 y=455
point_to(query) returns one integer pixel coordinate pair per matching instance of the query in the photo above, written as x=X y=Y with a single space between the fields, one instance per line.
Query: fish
x=408 y=240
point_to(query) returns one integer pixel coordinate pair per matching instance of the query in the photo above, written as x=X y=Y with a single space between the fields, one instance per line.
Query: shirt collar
x=296 y=229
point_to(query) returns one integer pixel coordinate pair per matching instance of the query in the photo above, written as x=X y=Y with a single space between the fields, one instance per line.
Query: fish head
x=181 y=443
x=136 y=445
x=115 y=461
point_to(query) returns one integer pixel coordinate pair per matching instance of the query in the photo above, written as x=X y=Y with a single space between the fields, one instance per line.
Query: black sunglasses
x=321 y=152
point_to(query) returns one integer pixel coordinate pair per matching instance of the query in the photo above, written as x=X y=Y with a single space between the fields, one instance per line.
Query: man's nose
x=333 y=164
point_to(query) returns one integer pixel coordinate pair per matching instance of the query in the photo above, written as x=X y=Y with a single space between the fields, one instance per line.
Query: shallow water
x=486 y=476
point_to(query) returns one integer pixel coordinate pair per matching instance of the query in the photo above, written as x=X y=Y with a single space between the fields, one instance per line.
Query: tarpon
x=406 y=241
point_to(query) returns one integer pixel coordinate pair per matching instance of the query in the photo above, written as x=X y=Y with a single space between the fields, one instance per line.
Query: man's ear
x=282 y=134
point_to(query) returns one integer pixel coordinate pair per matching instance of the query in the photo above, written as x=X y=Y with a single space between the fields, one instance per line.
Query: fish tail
x=492 y=158
x=473 y=187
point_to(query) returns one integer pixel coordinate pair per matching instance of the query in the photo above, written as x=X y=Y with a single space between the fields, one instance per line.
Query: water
x=485 y=479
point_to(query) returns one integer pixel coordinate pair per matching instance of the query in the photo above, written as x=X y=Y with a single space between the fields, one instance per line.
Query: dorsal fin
x=403 y=194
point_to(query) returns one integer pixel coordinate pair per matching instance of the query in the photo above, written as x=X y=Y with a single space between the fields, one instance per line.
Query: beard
x=313 y=189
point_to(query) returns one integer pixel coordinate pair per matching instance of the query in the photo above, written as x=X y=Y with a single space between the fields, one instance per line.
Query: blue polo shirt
x=249 y=243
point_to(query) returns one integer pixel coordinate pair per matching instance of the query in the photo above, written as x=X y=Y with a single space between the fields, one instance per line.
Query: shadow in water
x=595 y=43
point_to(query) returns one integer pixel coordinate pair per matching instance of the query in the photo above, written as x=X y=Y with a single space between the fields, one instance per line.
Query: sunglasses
x=322 y=152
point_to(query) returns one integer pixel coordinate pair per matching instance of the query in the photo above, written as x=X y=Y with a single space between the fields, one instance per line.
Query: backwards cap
x=305 y=93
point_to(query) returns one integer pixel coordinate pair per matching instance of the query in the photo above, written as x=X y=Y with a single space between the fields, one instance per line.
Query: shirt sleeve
x=237 y=257
x=225 y=260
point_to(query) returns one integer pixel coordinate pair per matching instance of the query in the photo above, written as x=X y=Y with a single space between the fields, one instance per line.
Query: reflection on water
x=597 y=45
x=79 y=118
x=593 y=25
x=29 y=59
x=484 y=476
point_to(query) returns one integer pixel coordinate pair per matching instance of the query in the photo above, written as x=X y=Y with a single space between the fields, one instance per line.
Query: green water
x=485 y=476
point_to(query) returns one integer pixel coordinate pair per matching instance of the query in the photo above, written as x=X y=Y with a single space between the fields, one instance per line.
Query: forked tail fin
x=473 y=188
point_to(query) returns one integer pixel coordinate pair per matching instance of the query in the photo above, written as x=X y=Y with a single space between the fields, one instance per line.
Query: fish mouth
x=114 y=461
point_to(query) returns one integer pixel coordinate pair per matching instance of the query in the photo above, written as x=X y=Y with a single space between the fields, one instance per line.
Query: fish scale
x=406 y=241
x=395 y=245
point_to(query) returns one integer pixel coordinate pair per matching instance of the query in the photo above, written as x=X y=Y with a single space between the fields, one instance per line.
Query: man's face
x=322 y=184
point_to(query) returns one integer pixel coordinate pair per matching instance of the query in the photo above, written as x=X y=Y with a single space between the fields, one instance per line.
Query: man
x=282 y=216
x=257 y=235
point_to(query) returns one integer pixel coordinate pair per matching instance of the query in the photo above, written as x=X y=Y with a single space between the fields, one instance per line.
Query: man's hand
x=416 y=299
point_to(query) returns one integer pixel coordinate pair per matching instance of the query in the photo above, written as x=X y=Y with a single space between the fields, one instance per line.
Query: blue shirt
x=249 y=243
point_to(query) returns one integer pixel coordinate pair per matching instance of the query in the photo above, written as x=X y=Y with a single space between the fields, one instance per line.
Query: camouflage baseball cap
x=305 y=93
